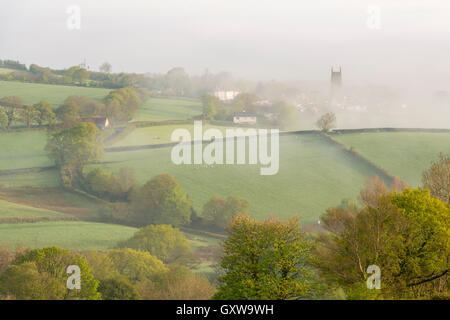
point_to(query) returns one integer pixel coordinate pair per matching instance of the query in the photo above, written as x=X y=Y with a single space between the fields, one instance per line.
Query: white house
x=226 y=95
x=244 y=117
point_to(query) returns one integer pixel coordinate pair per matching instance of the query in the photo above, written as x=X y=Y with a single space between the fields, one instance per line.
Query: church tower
x=336 y=84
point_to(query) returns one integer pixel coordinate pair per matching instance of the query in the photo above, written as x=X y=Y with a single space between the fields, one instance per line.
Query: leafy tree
x=210 y=104
x=104 y=185
x=213 y=209
x=10 y=106
x=405 y=234
x=105 y=67
x=245 y=102
x=264 y=260
x=86 y=106
x=41 y=274
x=326 y=122
x=3 y=119
x=162 y=241
x=80 y=75
x=161 y=200
x=437 y=178
x=45 y=112
x=179 y=283
x=29 y=115
x=118 y=288
x=136 y=265
x=73 y=148
x=69 y=114
x=219 y=213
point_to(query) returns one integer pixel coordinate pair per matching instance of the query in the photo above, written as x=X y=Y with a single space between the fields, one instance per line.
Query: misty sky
x=283 y=39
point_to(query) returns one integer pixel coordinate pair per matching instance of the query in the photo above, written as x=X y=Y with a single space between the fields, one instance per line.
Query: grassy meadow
x=160 y=134
x=402 y=154
x=14 y=210
x=23 y=149
x=34 y=92
x=313 y=175
x=159 y=109
x=77 y=235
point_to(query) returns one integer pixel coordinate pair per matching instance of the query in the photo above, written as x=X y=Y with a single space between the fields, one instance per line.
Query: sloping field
x=402 y=154
x=314 y=174
x=14 y=210
x=23 y=149
x=48 y=178
x=5 y=70
x=158 y=109
x=66 y=234
x=159 y=134
x=34 y=92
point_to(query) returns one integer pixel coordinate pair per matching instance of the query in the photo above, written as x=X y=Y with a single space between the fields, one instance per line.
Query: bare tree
x=326 y=122
x=437 y=178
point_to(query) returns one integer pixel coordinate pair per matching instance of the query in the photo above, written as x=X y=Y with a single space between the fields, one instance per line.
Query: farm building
x=244 y=117
x=101 y=123
x=226 y=95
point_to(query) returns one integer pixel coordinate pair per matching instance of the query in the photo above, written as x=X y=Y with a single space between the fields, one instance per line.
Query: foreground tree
x=405 y=234
x=437 y=178
x=162 y=241
x=73 y=148
x=264 y=260
x=326 y=122
x=41 y=274
x=161 y=200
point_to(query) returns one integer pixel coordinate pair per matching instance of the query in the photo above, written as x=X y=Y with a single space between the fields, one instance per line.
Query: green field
x=23 y=149
x=314 y=174
x=5 y=70
x=34 y=92
x=158 y=109
x=159 y=134
x=14 y=210
x=402 y=154
x=48 y=178
x=66 y=234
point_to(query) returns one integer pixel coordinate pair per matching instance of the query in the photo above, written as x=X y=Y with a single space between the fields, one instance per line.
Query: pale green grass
x=66 y=234
x=48 y=178
x=34 y=92
x=5 y=70
x=158 y=109
x=402 y=154
x=14 y=210
x=314 y=174
x=160 y=134
x=23 y=150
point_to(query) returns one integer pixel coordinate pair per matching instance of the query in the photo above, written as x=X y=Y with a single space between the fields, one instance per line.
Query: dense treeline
x=150 y=272
x=175 y=82
x=118 y=106
x=75 y=75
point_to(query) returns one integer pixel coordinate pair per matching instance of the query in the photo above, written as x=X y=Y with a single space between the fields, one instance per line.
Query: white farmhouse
x=244 y=117
x=226 y=95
